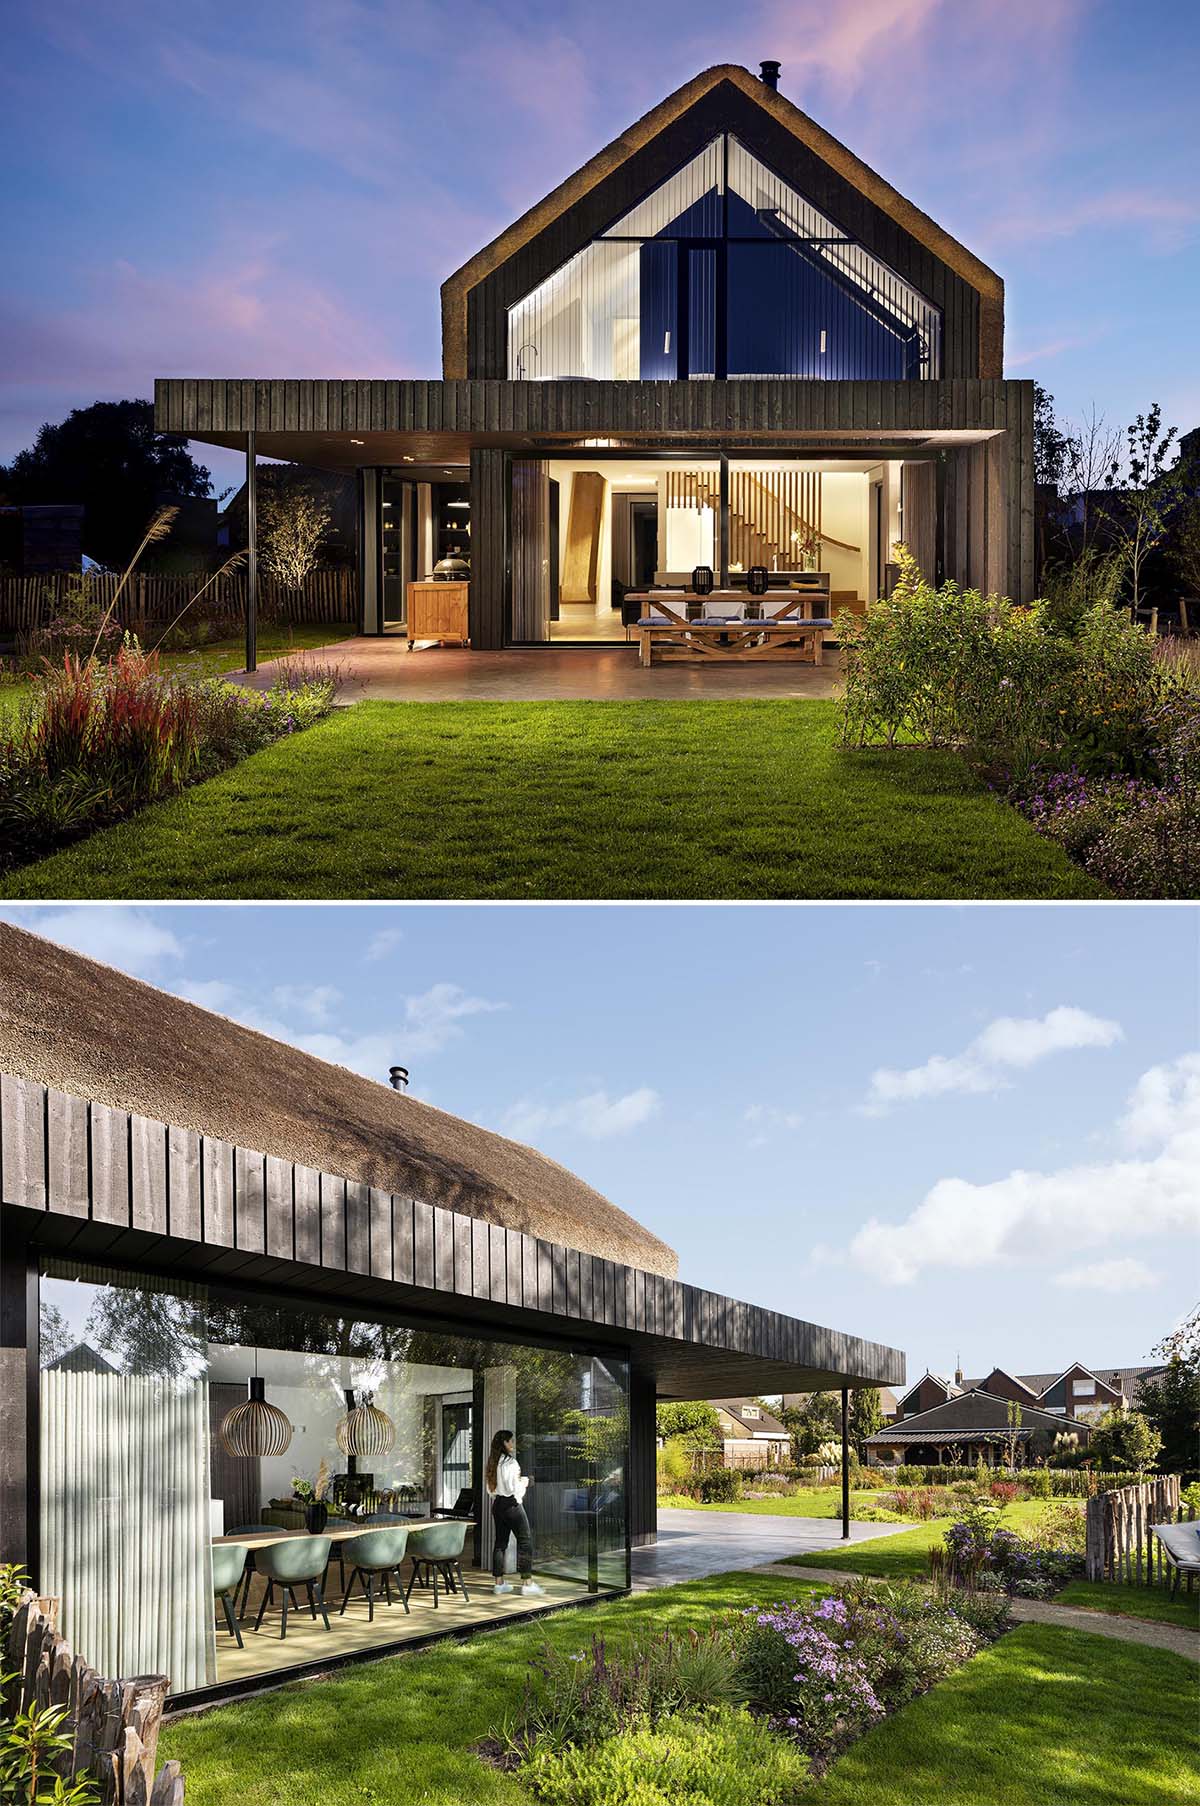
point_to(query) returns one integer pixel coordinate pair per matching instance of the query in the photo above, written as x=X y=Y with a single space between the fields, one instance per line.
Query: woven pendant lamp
x=254 y=1427
x=365 y=1430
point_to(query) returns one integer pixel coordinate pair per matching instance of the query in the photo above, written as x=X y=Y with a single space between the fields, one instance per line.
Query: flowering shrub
x=1018 y=1564
x=1005 y=1492
x=721 y=1486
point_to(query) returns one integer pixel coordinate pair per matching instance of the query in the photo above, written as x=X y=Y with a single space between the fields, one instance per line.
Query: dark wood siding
x=491 y=581
x=643 y=1459
x=724 y=108
x=691 y=1341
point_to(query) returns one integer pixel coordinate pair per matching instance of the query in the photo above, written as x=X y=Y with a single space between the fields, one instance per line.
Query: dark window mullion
x=682 y=304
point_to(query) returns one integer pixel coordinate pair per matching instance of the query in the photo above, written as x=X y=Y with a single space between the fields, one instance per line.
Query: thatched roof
x=69 y=1022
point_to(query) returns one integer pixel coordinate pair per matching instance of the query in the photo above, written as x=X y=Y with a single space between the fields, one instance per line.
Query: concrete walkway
x=1149 y=1631
x=692 y=1544
x=381 y=670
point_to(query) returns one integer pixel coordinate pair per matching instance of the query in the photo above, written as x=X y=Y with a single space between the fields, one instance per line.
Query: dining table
x=337 y=1532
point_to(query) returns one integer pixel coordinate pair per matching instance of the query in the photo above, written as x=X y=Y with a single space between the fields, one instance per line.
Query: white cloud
x=434 y=1017
x=316 y=1001
x=1007 y=1044
x=1127 y=1275
x=1034 y=1217
x=133 y=940
x=595 y=1114
x=383 y=943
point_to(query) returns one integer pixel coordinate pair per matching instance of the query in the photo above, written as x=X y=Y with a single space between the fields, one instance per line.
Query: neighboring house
x=750 y=1435
x=723 y=341
x=83 y=1358
x=971 y=1427
x=1078 y=1392
x=41 y=539
x=258 y=1220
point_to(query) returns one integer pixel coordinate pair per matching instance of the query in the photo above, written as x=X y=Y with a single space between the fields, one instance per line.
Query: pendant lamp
x=365 y=1430
x=255 y=1427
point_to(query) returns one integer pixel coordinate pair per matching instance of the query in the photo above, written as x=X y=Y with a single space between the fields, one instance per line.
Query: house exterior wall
x=1002 y=1385
x=1076 y=1394
x=923 y=1397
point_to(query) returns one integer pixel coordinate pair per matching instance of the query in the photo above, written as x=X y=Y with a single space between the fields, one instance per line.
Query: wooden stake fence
x=1120 y=1546
x=27 y=603
x=114 y=1724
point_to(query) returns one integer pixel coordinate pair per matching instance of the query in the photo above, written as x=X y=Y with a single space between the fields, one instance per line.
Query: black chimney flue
x=769 y=72
x=398 y=1078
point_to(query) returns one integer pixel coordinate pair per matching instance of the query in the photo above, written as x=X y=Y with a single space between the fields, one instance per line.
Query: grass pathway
x=572 y=799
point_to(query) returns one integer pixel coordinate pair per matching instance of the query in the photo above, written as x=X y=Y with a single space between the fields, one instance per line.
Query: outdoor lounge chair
x=1181 y=1545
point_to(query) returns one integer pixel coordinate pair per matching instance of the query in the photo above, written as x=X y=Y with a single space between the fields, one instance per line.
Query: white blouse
x=510 y=1482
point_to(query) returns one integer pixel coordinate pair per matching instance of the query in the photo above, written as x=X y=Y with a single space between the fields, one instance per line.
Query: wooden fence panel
x=114 y=1724
x=1120 y=1544
x=27 y=603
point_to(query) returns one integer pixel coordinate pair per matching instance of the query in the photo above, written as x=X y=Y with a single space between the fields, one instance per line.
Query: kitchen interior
x=425 y=553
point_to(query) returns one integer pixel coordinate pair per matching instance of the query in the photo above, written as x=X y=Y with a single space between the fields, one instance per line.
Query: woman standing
x=506 y=1488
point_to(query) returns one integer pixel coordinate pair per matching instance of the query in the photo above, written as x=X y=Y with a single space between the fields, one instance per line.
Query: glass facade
x=147 y=1483
x=725 y=270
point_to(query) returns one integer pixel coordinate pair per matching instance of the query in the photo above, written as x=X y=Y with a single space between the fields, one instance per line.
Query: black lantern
x=702 y=580
x=757 y=581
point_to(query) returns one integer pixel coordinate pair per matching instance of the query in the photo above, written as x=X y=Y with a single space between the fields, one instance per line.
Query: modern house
x=725 y=341
x=1079 y=1392
x=280 y=1271
x=750 y=1435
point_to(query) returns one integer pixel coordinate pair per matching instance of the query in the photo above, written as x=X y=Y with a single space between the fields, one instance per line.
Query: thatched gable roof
x=81 y=1027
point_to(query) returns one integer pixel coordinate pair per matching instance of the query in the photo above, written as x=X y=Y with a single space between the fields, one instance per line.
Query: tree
x=1149 y=495
x=54 y=1335
x=1170 y=1402
x=295 y=525
x=866 y=1415
x=1012 y=1438
x=696 y=1423
x=1049 y=466
x=1183 y=1342
x=1092 y=458
x=109 y=458
x=816 y=1421
x=1124 y=1442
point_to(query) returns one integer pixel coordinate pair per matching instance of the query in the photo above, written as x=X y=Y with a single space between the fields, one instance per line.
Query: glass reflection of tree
x=148 y=1332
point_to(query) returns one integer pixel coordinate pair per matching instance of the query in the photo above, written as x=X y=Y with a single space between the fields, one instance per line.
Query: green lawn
x=816 y=1502
x=273 y=642
x=1046 y=1718
x=905 y=1553
x=1133 y=1601
x=596 y=799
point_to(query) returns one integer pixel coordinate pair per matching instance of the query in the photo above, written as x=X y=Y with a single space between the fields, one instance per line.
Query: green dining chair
x=248 y=1530
x=228 y=1561
x=296 y=1561
x=437 y=1554
x=375 y=1555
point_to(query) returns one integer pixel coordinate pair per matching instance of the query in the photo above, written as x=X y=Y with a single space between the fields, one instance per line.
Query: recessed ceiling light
x=407 y=458
x=357 y=441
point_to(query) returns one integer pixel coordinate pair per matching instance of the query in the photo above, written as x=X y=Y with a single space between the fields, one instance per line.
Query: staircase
x=772 y=520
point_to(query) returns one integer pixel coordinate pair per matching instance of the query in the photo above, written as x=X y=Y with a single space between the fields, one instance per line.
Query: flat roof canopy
x=171 y=1201
x=349 y=425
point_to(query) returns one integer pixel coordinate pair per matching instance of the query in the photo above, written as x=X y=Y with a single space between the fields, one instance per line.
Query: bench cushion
x=1181 y=1542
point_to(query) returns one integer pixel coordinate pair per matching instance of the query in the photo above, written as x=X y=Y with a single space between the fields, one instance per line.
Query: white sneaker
x=502 y=1586
x=531 y=1586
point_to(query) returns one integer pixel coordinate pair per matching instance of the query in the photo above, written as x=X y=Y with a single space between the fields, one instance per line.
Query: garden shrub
x=674 y=1466
x=97 y=739
x=910 y=1476
x=1004 y=1491
x=1039 y=1483
x=721 y=1486
x=725 y=1758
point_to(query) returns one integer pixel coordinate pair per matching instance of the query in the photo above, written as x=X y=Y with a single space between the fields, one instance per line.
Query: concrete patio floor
x=692 y=1544
x=382 y=670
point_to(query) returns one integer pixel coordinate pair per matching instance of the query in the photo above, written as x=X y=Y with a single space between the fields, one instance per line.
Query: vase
x=316 y=1517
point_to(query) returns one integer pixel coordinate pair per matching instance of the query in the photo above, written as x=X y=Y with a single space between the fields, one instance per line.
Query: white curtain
x=125 y=1522
x=499 y=1413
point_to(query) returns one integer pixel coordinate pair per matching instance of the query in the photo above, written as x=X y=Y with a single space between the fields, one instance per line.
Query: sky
x=972 y=1133
x=279 y=190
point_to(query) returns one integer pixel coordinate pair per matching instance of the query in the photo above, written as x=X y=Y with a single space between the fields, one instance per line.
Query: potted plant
x=313 y=1495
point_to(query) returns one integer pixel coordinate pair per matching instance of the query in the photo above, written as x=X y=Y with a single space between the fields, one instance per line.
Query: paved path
x=692 y=1544
x=380 y=670
x=1149 y=1631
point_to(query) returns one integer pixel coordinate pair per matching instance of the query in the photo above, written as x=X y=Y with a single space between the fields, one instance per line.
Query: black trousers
x=508 y=1519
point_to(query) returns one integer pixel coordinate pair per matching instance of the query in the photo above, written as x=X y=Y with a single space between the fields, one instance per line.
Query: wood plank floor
x=266 y=1652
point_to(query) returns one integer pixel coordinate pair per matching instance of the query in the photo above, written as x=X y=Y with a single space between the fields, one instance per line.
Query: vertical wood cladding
x=202 y=1195
x=489 y=606
x=724 y=109
x=643 y=1457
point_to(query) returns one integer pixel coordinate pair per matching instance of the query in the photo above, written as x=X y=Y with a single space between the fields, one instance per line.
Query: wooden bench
x=725 y=641
x=1181 y=1546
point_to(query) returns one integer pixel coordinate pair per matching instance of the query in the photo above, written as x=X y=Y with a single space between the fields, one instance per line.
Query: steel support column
x=251 y=556
x=845 y=1464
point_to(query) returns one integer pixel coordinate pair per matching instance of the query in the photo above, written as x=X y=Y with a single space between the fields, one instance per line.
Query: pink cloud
x=1166 y=222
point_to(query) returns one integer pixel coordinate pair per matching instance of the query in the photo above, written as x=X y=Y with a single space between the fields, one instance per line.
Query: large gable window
x=725 y=270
